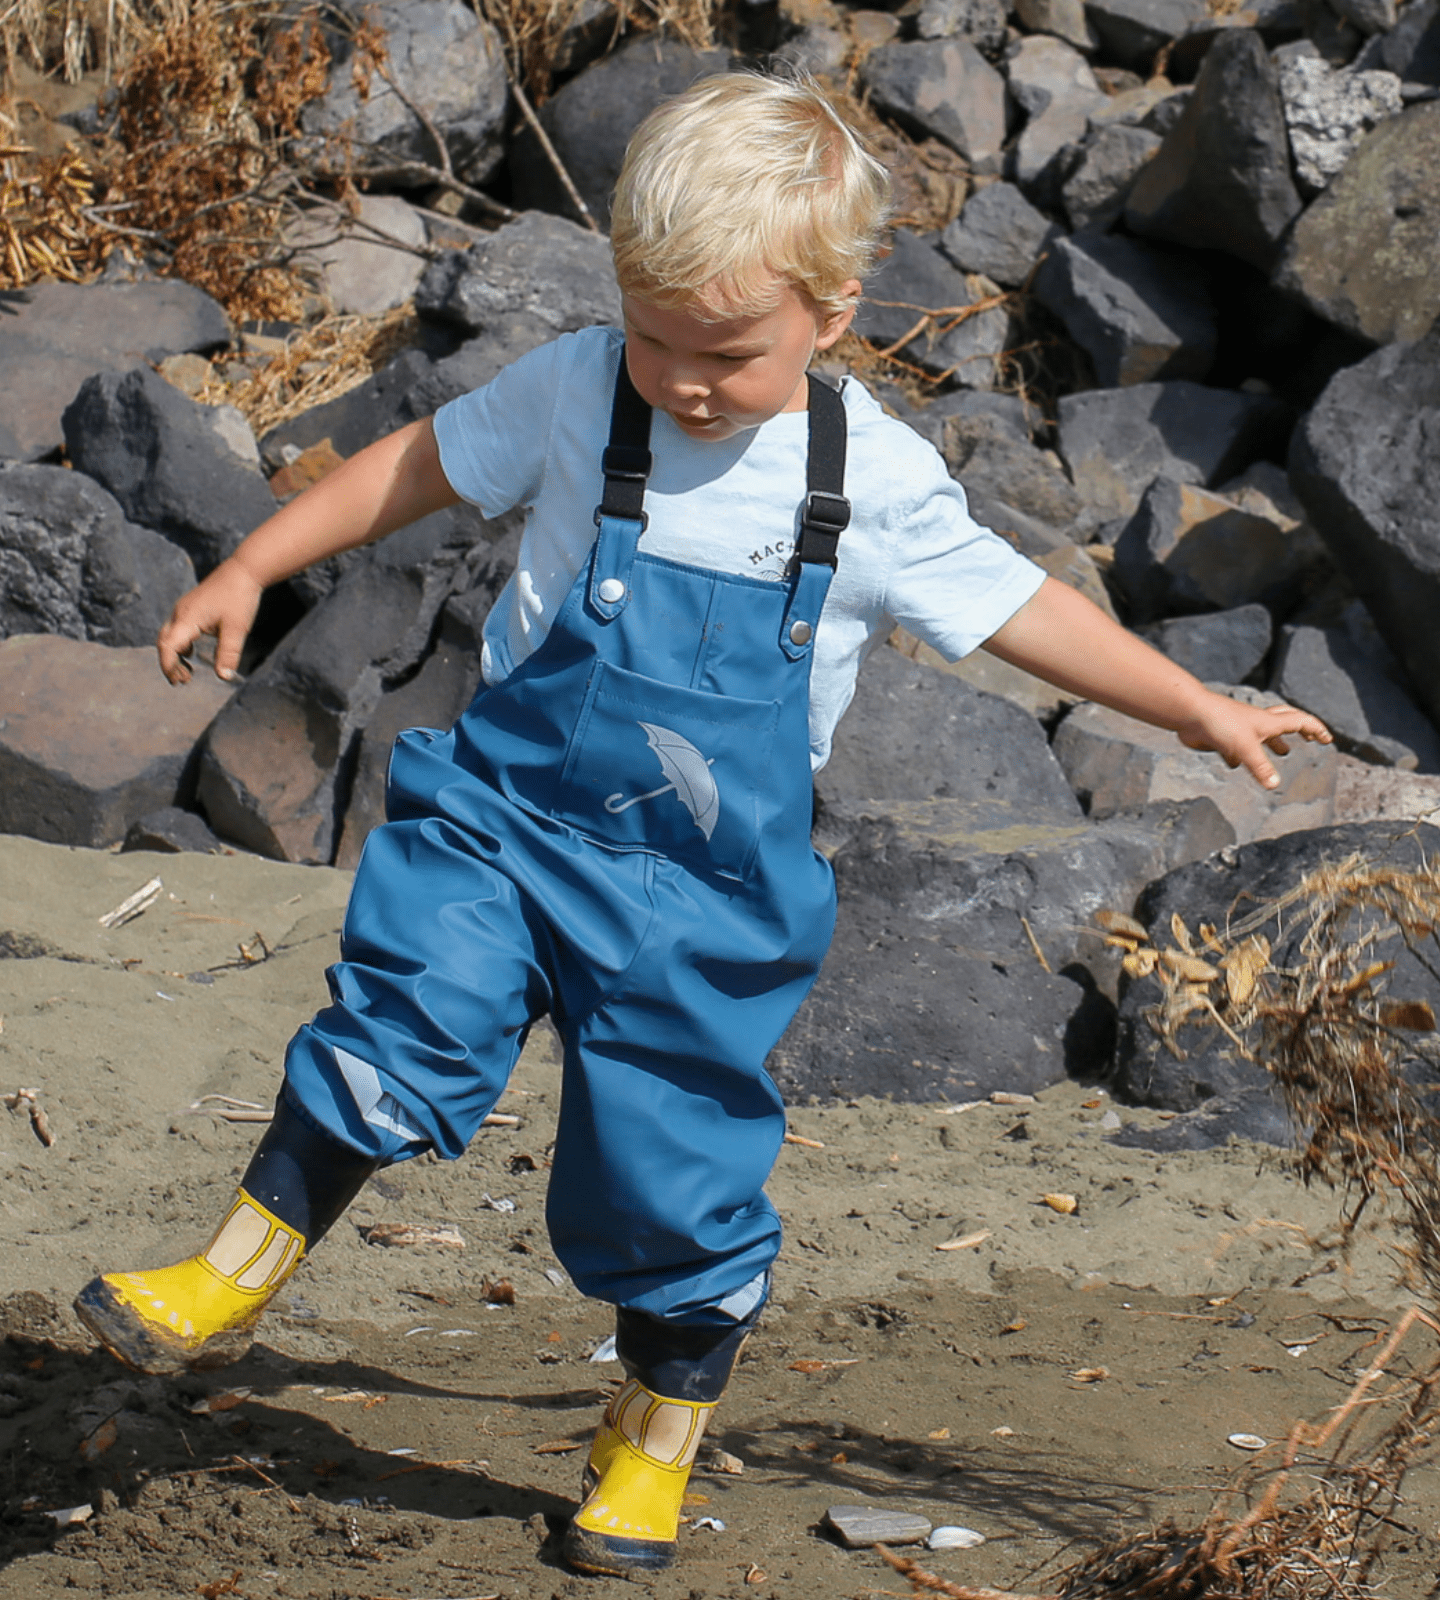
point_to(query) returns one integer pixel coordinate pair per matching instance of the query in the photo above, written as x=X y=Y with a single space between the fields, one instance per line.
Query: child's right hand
x=224 y=605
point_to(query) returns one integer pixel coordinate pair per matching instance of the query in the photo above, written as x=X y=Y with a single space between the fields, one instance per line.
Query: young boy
x=616 y=832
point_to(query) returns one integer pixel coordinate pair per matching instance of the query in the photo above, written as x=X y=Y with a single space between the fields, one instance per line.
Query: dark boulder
x=539 y=266
x=1364 y=255
x=276 y=766
x=71 y=564
x=590 y=120
x=189 y=471
x=1366 y=464
x=1348 y=677
x=912 y=733
x=442 y=59
x=1221 y=180
x=942 y=89
x=1238 y=884
x=82 y=779
x=1116 y=442
x=916 y=274
x=56 y=335
x=171 y=831
x=1139 y=313
x=1000 y=234
x=1220 y=647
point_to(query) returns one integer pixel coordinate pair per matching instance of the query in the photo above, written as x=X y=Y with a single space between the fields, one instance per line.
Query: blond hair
x=739 y=185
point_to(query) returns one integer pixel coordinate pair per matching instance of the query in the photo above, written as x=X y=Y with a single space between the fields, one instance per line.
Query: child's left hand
x=1242 y=734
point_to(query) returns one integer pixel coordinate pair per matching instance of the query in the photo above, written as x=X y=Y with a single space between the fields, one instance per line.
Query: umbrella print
x=687 y=772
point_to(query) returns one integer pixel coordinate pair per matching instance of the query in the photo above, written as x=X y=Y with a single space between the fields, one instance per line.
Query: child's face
x=716 y=378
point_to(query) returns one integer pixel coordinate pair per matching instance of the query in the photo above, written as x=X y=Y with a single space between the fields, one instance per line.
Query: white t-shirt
x=912 y=554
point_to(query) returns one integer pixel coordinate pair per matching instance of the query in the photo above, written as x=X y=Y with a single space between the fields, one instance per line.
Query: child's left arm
x=1069 y=641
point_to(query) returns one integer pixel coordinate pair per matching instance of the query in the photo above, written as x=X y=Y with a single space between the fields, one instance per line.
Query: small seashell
x=1066 y=1204
x=1247 y=1441
x=605 y=1350
x=954 y=1538
x=713 y=1523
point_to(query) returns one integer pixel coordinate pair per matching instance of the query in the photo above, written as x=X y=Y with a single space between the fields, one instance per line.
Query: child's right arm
x=390 y=483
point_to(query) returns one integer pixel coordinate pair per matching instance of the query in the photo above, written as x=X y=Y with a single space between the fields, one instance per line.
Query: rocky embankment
x=1163 y=292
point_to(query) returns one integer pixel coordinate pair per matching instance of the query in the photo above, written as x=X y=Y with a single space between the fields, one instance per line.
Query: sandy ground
x=397 y=1435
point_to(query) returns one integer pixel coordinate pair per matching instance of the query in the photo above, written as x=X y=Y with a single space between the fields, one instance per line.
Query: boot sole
x=608 y=1557
x=133 y=1341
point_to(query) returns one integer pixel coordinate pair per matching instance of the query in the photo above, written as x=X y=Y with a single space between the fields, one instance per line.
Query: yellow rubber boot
x=200 y=1312
x=635 y=1480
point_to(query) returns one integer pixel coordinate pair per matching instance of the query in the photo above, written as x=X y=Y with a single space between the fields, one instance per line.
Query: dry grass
x=534 y=30
x=316 y=365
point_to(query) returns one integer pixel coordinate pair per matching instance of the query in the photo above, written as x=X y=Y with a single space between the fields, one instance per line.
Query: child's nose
x=684 y=381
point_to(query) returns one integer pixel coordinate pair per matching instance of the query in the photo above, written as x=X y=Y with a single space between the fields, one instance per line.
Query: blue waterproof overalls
x=617 y=834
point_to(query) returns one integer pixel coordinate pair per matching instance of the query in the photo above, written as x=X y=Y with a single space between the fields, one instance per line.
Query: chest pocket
x=652 y=766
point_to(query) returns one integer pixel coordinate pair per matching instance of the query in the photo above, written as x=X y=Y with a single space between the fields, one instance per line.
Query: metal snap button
x=611 y=590
x=800 y=632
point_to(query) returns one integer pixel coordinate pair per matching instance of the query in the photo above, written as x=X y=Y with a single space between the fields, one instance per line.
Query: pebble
x=954 y=1538
x=861 y=1526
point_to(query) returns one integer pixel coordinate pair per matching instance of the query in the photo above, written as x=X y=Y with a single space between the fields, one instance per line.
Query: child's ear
x=836 y=324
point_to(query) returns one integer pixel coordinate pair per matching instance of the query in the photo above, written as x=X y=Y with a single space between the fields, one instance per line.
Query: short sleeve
x=952 y=582
x=494 y=441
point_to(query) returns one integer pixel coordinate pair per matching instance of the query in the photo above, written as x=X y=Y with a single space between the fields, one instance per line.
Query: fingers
x=173 y=646
x=227 y=651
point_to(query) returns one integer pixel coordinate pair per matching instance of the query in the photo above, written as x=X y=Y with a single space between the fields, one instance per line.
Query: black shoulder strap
x=627 y=460
x=827 y=511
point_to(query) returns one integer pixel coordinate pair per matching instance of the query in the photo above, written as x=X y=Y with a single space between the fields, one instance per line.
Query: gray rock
x=1109 y=162
x=476 y=362
x=1327 y=112
x=1365 y=464
x=357 y=418
x=539 y=266
x=987 y=458
x=71 y=564
x=1116 y=442
x=1117 y=764
x=1349 y=678
x=590 y=120
x=942 y=89
x=1066 y=19
x=1000 y=234
x=434 y=698
x=915 y=734
x=1132 y=32
x=1008 y=411
x=275 y=765
x=56 y=335
x=817 y=50
x=1252 y=1113
x=189 y=471
x=170 y=831
x=360 y=261
x=1366 y=793
x=1053 y=84
x=978 y=22
x=1411 y=50
x=932 y=988
x=445 y=60
x=1227 y=886
x=1221 y=179
x=859 y=1526
x=1144 y=107
x=1220 y=647
x=1186 y=550
x=82 y=780
x=1138 y=313
x=915 y=273
x=1369 y=16
x=1364 y=255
